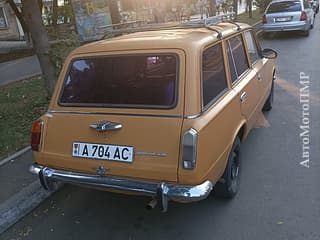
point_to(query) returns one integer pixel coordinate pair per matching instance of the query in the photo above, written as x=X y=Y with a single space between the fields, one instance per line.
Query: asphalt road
x=279 y=198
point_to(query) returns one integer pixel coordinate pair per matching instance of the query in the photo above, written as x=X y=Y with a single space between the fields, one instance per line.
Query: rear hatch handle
x=105 y=126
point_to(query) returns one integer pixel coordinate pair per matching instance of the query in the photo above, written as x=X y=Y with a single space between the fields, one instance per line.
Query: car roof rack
x=207 y=23
x=236 y=24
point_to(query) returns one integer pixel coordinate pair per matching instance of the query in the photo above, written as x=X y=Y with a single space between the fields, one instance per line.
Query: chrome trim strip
x=151 y=154
x=193 y=116
x=128 y=114
x=174 y=192
x=117 y=114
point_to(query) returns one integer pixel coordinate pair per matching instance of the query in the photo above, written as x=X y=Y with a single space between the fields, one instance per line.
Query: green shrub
x=60 y=49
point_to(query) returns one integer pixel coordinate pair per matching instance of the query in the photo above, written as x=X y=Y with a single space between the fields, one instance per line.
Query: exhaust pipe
x=152 y=204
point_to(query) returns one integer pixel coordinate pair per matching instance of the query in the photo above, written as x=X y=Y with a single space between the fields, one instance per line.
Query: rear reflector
x=304 y=16
x=189 y=149
x=36 y=134
x=264 y=19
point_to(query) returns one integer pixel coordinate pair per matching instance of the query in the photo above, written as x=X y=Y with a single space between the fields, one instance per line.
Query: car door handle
x=259 y=77
x=243 y=96
x=106 y=126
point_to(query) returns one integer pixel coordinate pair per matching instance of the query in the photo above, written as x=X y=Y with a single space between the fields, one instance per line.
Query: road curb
x=23 y=202
x=20 y=204
x=26 y=77
x=15 y=155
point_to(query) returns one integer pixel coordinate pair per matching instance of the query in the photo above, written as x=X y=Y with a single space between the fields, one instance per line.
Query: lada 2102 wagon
x=159 y=113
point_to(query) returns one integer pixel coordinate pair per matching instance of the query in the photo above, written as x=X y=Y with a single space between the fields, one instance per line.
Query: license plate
x=102 y=151
x=283 y=19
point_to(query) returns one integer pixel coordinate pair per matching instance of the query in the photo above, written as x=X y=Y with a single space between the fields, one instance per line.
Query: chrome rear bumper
x=162 y=191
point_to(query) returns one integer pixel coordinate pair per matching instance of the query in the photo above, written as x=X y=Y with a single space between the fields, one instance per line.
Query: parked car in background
x=160 y=113
x=288 y=15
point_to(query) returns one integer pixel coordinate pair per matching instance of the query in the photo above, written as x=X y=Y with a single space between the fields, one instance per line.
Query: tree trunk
x=114 y=11
x=54 y=12
x=213 y=8
x=250 y=8
x=32 y=16
x=235 y=9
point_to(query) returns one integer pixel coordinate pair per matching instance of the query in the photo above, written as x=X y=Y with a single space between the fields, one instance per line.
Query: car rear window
x=288 y=6
x=139 y=81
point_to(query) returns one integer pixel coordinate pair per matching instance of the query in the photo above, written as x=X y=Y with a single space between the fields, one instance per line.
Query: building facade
x=10 y=28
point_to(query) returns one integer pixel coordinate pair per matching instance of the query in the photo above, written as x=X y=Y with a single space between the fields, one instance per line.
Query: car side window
x=237 y=57
x=252 y=47
x=214 y=81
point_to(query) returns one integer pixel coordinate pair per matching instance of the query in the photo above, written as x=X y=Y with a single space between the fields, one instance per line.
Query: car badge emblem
x=101 y=170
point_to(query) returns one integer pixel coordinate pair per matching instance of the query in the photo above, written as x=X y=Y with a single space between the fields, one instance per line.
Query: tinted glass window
x=131 y=81
x=214 y=80
x=252 y=48
x=238 y=54
x=289 y=6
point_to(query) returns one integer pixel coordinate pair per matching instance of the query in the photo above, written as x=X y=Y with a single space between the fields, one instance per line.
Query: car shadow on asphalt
x=283 y=36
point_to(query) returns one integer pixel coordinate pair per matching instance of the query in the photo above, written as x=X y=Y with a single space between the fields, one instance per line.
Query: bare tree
x=54 y=12
x=114 y=11
x=235 y=8
x=33 y=18
x=249 y=6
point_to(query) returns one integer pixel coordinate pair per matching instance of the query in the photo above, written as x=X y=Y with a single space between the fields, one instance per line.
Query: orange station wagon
x=160 y=112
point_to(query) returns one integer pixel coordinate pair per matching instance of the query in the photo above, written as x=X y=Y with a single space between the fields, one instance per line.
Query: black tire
x=306 y=32
x=268 y=104
x=229 y=184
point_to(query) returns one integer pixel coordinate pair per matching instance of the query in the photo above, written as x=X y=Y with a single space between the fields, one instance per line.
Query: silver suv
x=288 y=15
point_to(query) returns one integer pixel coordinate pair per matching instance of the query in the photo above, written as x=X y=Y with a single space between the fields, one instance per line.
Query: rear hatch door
x=284 y=12
x=119 y=115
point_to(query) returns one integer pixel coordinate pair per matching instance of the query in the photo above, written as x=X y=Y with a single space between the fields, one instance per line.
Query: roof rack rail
x=210 y=21
x=206 y=23
x=237 y=25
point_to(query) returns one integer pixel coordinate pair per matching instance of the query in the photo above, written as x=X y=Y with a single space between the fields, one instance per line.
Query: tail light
x=36 y=134
x=264 y=19
x=189 y=149
x=303 y=16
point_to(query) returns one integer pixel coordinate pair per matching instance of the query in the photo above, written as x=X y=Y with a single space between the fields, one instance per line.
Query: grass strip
x=20 y=104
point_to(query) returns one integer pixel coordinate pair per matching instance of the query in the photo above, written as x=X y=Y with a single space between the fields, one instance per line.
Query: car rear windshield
x=288 y=6
x=138 y=81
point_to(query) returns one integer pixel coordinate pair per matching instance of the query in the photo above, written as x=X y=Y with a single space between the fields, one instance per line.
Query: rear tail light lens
x=189 y=149
x=264 y=19
x=36 y=135
x=303 y=16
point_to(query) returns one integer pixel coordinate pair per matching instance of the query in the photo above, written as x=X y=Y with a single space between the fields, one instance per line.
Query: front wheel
x=228 y=185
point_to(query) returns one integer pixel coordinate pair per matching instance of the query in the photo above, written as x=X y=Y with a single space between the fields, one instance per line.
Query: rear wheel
x=306 y=32
x=228 y=185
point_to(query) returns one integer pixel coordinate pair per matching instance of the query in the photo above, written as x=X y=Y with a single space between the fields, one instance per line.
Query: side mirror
x=269 y=53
